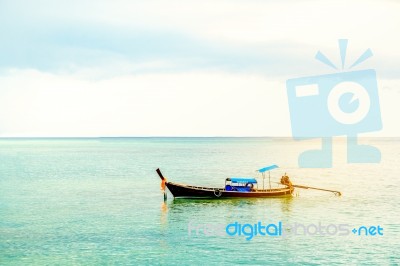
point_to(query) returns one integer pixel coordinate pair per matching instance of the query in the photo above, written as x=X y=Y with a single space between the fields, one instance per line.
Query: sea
x=97 y=201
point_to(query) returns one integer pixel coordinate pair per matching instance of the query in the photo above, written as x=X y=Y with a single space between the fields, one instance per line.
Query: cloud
x=34 y=103
x=84 y=68
x=132 y=37
x=76 y=48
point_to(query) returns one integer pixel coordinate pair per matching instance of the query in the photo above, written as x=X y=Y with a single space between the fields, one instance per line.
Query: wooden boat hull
x=186 y=191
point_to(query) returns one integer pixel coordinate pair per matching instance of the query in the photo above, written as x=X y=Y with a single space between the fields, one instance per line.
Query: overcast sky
x=181 y=68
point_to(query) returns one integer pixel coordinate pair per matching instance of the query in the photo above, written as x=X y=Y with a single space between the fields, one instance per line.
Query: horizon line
x=111 y=137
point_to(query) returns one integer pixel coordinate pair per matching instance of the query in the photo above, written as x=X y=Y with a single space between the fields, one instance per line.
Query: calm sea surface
x=98 y=201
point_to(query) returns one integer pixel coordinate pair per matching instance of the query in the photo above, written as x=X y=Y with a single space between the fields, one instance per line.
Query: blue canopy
x=262 y=170
x=242 y=180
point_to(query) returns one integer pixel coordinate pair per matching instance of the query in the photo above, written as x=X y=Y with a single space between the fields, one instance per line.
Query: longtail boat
x=235 y=187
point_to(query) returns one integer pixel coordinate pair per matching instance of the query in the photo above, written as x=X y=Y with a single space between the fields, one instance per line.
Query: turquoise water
x=98 y=201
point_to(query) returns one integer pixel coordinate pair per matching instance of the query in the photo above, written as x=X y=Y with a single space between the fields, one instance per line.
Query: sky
x=181 y=68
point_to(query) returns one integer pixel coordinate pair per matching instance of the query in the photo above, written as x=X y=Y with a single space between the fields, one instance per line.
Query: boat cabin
x=243 y=184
